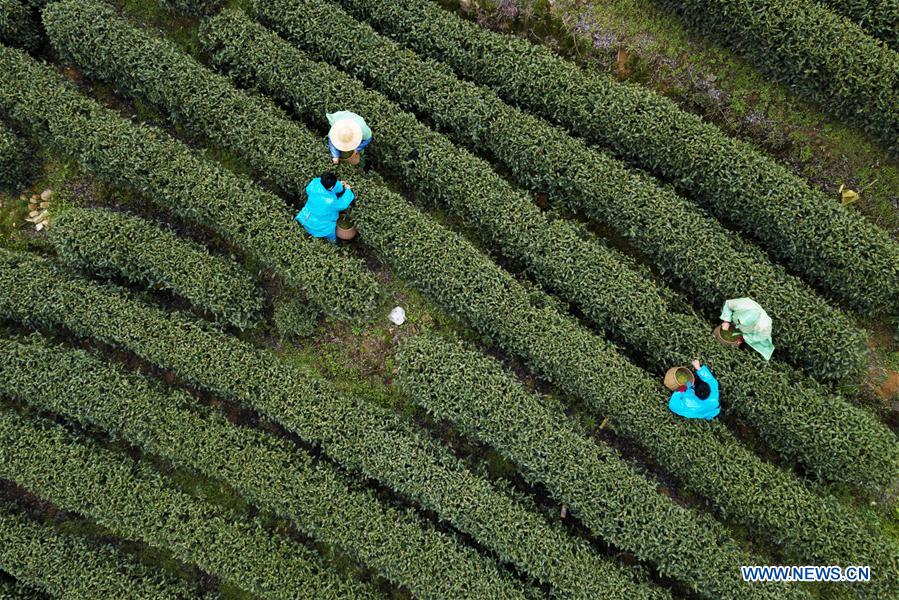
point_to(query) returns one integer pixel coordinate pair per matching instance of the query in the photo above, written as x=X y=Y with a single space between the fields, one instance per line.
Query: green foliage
x=686 y=245
x=467 y=284
x=358 y=434
x=597 y=279
x=67 y=565
x=853 y=260
x=166 y=171
x=135 y=502
x=492 y=407
x=828 y=58
x=18 y=26
x=879 y=18
x=294 y=317
x=272 y=473
x=196 y=8
x=117 y=244
x=17 y=160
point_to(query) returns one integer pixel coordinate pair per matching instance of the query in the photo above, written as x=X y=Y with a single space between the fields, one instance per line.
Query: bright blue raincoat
x=687 y=404
x=319 y=214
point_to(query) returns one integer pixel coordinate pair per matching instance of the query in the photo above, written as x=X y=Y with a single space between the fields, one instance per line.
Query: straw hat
x=346 y=135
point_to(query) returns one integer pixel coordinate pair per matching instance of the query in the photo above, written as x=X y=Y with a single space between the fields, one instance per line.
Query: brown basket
x=671 y=381
x=733 y=343
x=351 y=158
x=346 y=233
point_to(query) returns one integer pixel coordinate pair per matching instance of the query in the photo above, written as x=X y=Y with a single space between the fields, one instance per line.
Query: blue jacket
x=319 y=214
x=687 y=404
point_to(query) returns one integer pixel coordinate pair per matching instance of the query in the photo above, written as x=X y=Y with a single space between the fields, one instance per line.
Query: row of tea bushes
x=18 y=26
x=269 y=472
x=170 y=174
x=489 y=406
x=769 y=501
x=595 y=278
x=360 y=435
x=115 y=244
x=135 y=502
x=68 y=565
x=836 y=250
x=689 y=247
x=879 y=18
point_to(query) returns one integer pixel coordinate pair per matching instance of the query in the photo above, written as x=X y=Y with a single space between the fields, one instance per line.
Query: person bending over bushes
x=697 y=400
x=326 y=196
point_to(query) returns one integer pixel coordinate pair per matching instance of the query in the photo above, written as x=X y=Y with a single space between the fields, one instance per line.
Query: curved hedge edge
x=113 y=243
x=135 y=502
x=267 y=471
x=852 y=260
x=879 y=18
x=544 y=159
x=18 y=26
x=170 y=174
x=194 y=8
x=597 y=279
x=68 y=565
x=357 y=434
x=17 y=158
x=490 y=406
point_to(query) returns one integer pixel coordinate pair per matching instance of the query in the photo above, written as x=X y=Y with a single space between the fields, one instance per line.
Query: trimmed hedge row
x=135 y=502
x=492 y=407
x=358 y=434
x=67 y=565
x=18 y=26
x=828 y=58
x=12 y=589
x=599 y=280
x=709 y=261
x=769 y=501
x=879 y=18
x=16 y=160
x=113 y=243
x=269 y=472
x=838 y=252
x=170 y=174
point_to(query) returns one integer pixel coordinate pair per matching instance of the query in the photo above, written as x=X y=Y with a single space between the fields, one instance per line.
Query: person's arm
x=335 y=153
x=727 y=314
x=705 y=374
x=363 y=144
x=345 y=196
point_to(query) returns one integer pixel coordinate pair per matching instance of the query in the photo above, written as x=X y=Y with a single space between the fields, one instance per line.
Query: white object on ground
x=398 y=316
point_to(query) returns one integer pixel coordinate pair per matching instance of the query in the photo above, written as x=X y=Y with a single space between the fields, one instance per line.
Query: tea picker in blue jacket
x=697 y=400
x=325 y=198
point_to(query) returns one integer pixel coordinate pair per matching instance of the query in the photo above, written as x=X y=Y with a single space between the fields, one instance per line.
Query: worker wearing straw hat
x=348 y=136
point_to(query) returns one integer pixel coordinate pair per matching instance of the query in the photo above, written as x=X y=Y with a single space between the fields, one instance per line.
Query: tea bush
x=294 y=317
x=135 y=502
x=117 y=244
x=354 y=432
x=835 y=249
x=600 y=281
x=269 y=472
x=684 y=243
x=171 y=175
x=18 y=26
x=67 y=565
x=879 y=18
x=17 y=158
